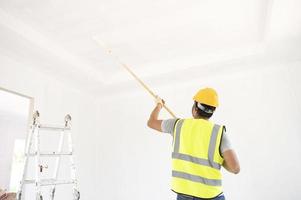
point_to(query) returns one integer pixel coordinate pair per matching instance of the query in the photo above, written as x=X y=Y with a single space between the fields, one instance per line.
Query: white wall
x=54 y=99
x=259 y=106
x=118 y=157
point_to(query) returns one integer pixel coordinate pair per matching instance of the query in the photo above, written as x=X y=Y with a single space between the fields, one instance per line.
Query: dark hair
x=202 y=113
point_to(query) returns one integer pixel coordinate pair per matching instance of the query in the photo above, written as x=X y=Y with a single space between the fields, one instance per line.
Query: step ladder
x=30 y=151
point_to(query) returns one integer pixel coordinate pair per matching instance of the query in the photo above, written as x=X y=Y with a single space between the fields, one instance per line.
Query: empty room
x=150 y=100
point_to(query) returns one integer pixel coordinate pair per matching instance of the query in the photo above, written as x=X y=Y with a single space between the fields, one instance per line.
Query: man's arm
x=231 y=163
x=153 y=121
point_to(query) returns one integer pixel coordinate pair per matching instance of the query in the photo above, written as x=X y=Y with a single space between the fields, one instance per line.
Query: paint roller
x=128 y=69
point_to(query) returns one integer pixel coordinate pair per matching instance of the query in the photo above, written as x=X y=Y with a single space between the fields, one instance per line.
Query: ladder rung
x=51 y=153
x=53 y=127
x=56 y=182
x=47 y=182
x=29 y=181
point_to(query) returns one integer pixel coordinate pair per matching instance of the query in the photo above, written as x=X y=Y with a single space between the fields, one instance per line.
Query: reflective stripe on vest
x=210 y=162
x=203 y=174
x=212 y=182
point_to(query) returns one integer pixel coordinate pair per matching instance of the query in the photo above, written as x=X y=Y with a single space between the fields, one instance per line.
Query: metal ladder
x=34 y=137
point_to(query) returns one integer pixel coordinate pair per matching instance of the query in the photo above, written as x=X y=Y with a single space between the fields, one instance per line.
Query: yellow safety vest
x=196 y=159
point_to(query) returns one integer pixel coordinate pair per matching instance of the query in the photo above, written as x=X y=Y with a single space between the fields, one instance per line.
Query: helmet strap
x=205 y=109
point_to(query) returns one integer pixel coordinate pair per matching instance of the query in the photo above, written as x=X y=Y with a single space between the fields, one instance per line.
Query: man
x=200 y=148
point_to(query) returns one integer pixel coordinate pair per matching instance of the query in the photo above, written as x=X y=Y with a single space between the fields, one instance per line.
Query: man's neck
x=201 y=118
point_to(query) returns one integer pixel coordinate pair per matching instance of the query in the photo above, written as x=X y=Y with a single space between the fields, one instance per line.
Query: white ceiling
x=152 y=36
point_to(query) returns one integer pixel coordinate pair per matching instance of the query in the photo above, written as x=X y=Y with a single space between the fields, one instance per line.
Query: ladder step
x=47 y=182
x=29 y=181
x=56 y=182
x=53 y=127
x=51 y=153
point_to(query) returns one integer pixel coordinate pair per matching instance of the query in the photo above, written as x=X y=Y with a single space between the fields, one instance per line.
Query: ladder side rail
x=38 y=164
x=76 y=193
x=28 y=146
x=57 y=163
x=72 y=164
x=58 y=159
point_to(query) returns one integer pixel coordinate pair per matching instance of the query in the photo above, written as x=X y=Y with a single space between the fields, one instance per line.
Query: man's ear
x=193 y=110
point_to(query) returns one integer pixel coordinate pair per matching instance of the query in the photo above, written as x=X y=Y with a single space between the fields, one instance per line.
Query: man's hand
x=159 y=102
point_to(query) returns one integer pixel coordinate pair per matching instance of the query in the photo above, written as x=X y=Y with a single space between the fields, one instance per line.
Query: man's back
x=200 y=148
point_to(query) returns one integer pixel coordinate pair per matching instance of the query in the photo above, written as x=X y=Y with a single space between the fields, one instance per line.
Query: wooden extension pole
x=128 y=69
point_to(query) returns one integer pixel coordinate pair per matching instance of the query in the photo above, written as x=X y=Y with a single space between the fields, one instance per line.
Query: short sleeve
x=225 y=143
x=168 y=126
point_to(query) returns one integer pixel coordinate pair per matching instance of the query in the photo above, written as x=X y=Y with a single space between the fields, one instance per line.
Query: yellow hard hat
x=207 y=96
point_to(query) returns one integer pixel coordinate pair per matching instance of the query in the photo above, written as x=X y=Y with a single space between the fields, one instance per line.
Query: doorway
x=15 y=114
